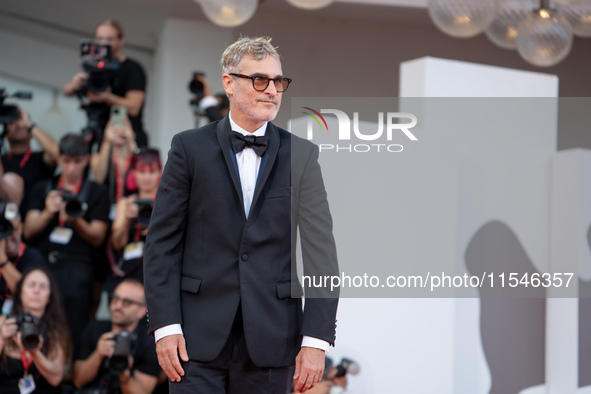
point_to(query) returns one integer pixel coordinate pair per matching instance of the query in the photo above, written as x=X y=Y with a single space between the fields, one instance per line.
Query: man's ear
x=228 y=83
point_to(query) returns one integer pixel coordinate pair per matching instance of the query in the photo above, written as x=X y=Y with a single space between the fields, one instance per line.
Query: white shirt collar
x=257 y=133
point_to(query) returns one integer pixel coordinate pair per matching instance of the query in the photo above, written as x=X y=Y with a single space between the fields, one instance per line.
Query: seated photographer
x=15 y=256
x=112 y=162
x=127 y=84
x=21 y=160
x=66 y=221
x=117 y=356
x=34 y=342
x=128 y=233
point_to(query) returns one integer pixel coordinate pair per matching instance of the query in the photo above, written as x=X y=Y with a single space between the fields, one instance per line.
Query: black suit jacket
x=204 y=258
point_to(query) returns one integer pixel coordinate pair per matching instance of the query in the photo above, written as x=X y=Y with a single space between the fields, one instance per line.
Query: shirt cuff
x=207 y=101
x=313 y=342
x=165 y=331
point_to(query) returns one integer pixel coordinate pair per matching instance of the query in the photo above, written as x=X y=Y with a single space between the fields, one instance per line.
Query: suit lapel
x=272 y=148
x=224 y=131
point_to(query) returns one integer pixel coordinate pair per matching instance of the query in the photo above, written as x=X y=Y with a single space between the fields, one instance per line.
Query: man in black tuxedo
x=218 y=262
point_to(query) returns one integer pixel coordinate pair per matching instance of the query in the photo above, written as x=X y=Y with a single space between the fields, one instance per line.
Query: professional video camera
x=74 y=205
x=144 y=211
x=119 y=361
x=8 y=212
x=99 y=64
x=28 y=325
x=9 y=113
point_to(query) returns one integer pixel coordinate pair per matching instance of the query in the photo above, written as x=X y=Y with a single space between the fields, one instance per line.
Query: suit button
x=244 y=257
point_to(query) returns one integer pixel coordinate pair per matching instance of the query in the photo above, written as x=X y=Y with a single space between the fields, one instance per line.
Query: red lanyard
x=25 y=158
x=75 y=190
x=26 y=363
x=119 y=177
x=138 y=232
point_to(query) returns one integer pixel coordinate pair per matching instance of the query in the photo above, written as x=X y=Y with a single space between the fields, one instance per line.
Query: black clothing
x=72 y=263
x=32 y=170
x=31 y=258
x=133 y=268
x=144 y=353
x=131 y=76
x=98 y=209
x=12 y=371
x=233 y=372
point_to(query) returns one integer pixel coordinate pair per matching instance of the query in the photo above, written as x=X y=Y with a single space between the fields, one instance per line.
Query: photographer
x=15 y=258
x=128 y=234
x=67 y=220
x=110 y=164
x=34 y=343
x=127 y=84
x=95 y=369
x=214 y=107
x=31 y=166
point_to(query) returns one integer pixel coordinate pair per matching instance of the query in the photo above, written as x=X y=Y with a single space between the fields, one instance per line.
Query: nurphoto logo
x=379 y=141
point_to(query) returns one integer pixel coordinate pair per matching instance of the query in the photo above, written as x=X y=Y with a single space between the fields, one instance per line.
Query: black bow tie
x=240 y=141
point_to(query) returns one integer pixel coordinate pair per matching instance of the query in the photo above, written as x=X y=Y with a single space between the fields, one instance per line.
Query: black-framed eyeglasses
x=260 y=83
x=114 y=298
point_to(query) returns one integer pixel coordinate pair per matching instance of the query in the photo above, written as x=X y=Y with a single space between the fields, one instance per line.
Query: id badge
x=26 y=384
x=7 y=306
x=133 y=251
x=61 y=235
x=113 y=212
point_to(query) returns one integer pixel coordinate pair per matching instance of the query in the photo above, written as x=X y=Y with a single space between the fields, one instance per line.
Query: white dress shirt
x=248 y=168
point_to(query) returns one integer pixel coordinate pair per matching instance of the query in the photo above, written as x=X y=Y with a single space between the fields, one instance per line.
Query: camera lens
x=73 y=208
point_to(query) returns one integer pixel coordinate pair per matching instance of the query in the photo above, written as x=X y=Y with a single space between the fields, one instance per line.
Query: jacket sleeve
x=165 y=240
x=318 y=251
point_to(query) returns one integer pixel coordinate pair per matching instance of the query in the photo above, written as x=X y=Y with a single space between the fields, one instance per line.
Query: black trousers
x=232 y=372
x=75 y=278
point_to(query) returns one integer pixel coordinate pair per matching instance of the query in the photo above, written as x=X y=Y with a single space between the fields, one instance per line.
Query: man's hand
x=168 y=350
x=106 y=345
x=308 y=369
x=53 y=202
x=78 y=80
x=100 y=97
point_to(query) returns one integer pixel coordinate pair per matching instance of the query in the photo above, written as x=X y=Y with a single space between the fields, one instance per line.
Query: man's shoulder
x=131 y=64
x=299 y=146
x=201 y=133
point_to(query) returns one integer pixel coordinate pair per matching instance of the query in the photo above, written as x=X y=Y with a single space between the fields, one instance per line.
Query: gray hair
x=257 y=47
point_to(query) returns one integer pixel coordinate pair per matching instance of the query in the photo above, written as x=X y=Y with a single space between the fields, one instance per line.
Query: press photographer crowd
x=73 y=223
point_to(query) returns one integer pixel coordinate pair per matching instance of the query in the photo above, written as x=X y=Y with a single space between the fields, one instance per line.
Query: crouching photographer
x=128 y=233
x=117 y=356
x=34 y=341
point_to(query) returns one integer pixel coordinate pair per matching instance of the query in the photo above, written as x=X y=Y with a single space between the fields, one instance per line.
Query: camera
x=98 y=63
x=144 y=211
x=8 y=212
x=195 y=86
x=119 y=361
x=9 y=113
x=74 y=206
x=28 y=325
x=347 y=366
